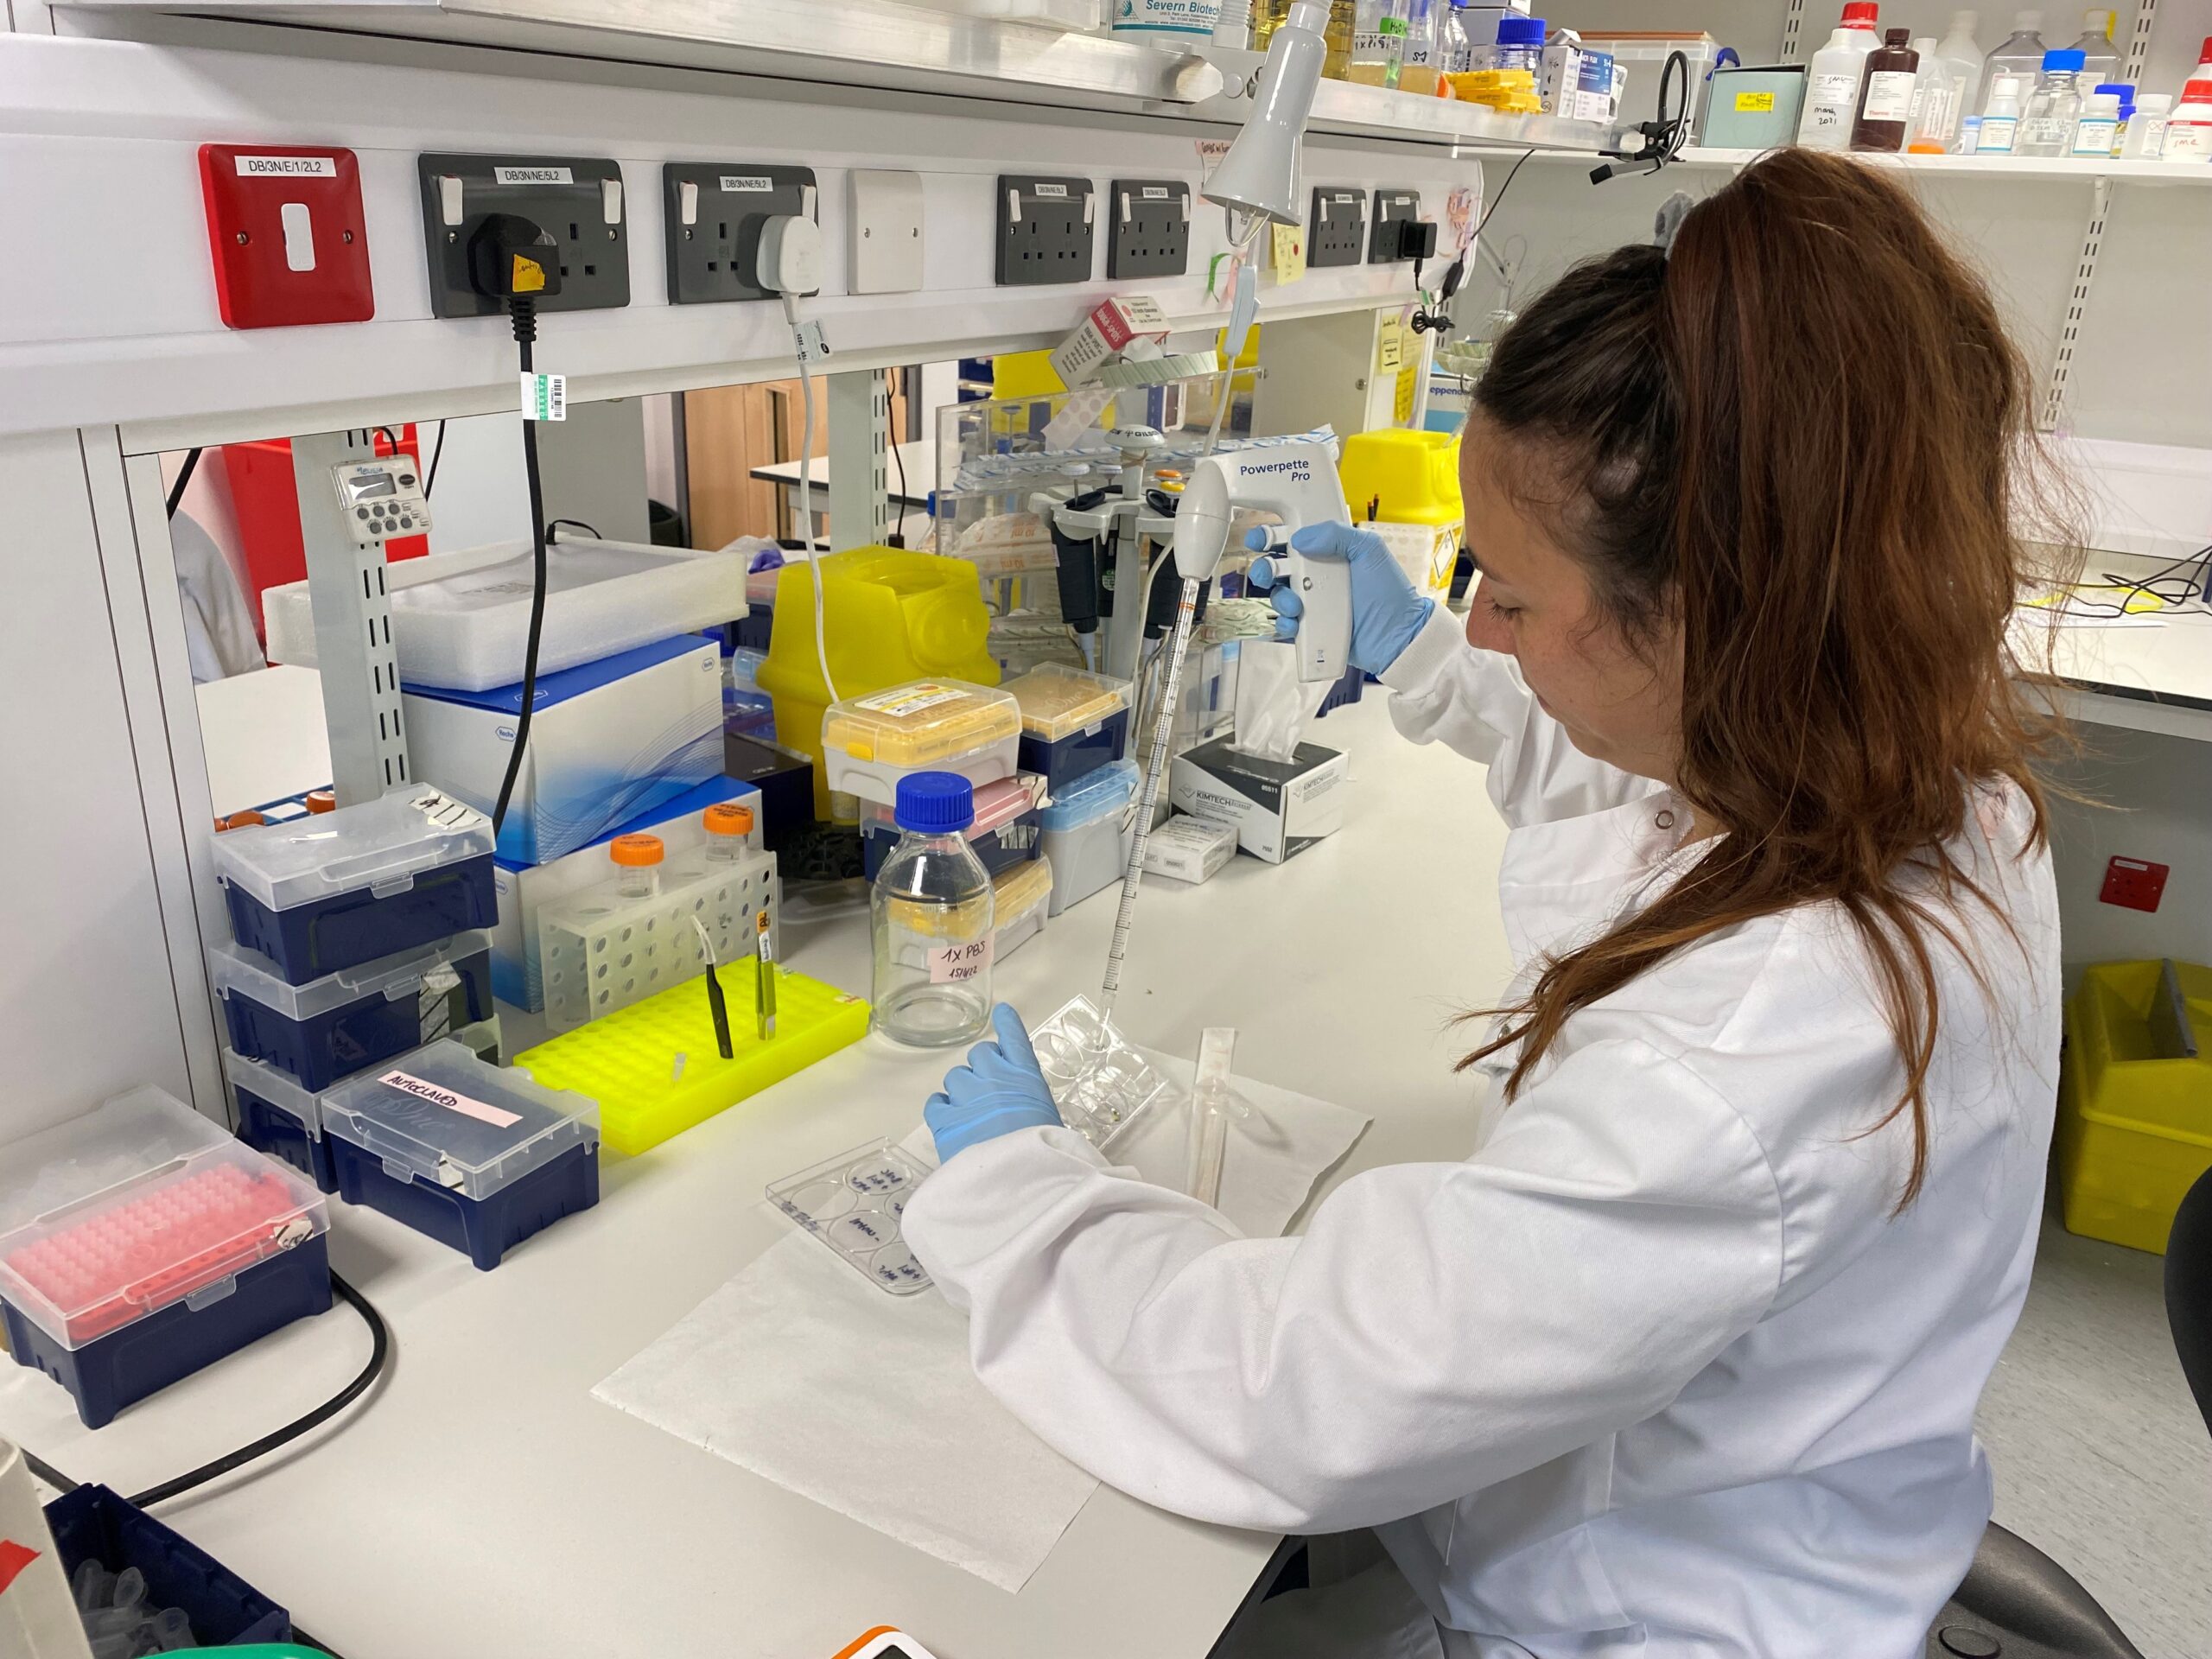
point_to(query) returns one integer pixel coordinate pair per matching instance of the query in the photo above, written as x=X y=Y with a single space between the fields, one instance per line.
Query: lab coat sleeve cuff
x=1433 y=651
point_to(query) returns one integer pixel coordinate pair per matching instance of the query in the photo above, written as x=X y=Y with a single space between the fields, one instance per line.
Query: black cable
x=525 y=321
x=1663 y=137
x=1500 y=197
x=379 y=1353
x=47 y=1472
x=552 y=524
x=183 y=477
x=430 y=475
x=897 y=506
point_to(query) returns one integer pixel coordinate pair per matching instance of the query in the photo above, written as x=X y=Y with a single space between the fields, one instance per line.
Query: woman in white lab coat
x=1682 y=1359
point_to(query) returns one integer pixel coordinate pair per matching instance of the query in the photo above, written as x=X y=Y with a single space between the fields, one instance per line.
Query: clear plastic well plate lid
x=1091 y=797
x=234 y=968
x=381 y=845
x=1058 y=701
x=853 y=1203
x=138 y=1204
x=927 y=721
x=444 y=1114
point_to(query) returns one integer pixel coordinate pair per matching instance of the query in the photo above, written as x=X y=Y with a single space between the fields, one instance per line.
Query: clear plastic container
x=345 y=887
x=869 y=743
x=1021 y=898
x=1520 y=45
x=460 y=620
x=932 y=909
x=1101 y=1082
x=137 y=1205
x=2100 y=61
x=2020 y=56
x=853 y=1204
x=1424 y=21
x=442 y=1115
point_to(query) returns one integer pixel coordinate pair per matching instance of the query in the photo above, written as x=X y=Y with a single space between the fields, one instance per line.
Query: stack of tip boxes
x=1075 y=735
x=140 y=1243
x=869 y=743
x=363 y=963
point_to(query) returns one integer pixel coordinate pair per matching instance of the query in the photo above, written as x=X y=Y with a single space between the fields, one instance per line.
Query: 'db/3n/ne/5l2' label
x=533 y=176
x=742 y=184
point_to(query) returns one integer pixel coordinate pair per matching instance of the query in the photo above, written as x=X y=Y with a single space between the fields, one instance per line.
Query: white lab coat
x=1655 y=1371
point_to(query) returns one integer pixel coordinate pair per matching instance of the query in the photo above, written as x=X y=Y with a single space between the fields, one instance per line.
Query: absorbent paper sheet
x=802 y=1371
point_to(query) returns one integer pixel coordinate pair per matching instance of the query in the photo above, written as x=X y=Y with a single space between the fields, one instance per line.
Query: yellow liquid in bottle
x=1419 y=78
x=1267 y=15
x=1343 y=18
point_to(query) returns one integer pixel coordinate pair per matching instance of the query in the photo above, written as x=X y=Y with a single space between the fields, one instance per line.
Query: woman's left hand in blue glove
x=1002 y=1089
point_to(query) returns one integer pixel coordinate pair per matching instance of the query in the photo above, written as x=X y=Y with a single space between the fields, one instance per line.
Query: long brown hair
x=1797 y=435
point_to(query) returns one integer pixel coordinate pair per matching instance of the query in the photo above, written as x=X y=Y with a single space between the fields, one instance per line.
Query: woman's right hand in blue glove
x=1386 y=612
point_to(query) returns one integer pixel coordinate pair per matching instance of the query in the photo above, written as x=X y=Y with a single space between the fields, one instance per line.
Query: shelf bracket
x=859 y=421
x=352 y=625
x=2077 y=307
x=1793 y=22
x=2138 y=44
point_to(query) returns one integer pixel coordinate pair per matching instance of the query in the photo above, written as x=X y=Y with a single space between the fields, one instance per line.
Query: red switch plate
x=285 y=226
x=2134 y=884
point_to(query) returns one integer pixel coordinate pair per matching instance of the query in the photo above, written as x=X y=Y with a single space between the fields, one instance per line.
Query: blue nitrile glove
x=1386 y=612
x=1002 y=1089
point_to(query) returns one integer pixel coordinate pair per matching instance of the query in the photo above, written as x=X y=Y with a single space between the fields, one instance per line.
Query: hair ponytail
x=1794 y=435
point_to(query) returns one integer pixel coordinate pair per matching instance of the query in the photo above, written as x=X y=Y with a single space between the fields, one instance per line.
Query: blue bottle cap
x=1520 y=31
x=934 y=802
x=2064 y=57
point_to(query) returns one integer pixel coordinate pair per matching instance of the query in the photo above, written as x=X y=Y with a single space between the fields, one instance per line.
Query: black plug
x=1416 y=239
x=513 y=260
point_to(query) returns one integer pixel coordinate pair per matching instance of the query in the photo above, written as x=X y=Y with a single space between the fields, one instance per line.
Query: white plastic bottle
x=1832 y=91
x=1958 y=52
x=2021 y=55
x=2098 y=129
x=2189 y=129
x=2047 y=124
x=2146 y=135
x=2099 y=61
x=2000 y=121
x=1931 y=100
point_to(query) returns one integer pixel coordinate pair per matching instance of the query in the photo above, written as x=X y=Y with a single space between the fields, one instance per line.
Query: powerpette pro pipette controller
x=1297 y=482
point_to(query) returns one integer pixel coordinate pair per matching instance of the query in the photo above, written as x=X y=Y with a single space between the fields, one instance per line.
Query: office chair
x=2017 y=1603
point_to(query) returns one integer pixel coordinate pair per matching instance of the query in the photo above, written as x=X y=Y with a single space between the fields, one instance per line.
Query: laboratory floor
x=2102 y=1458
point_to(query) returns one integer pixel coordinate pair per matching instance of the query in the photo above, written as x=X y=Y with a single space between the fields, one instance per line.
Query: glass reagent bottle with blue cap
x=932 y=914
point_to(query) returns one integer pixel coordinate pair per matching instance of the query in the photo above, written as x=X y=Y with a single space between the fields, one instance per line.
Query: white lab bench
x=919 y=457
x=483 y=1502
x=2152 y=676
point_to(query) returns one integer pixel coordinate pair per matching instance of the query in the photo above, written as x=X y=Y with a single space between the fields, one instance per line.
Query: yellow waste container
x=1411 y=478
x=2134 y=1127
x=888 y=616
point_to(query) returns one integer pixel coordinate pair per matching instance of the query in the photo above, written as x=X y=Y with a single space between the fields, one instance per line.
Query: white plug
x=789 y=258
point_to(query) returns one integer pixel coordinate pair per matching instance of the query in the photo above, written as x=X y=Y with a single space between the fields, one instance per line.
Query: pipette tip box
x=656 y=1069
x=474 y=1156
x=347 y=1020
x=92 y=1523
x=1087 y=833
x=140 y=1243
x=1004 y=834
x=1073 y=721
x=280 y=1117
x=340 y=888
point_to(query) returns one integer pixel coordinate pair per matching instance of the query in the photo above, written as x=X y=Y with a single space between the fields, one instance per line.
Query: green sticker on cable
x=544 y=397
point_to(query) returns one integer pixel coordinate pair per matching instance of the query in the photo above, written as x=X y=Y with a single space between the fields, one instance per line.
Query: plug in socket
x=578 y=200
x=713 y=212
x=1337 y=229
x=1148 y=227
x=1392 y=209
x=1046 y=230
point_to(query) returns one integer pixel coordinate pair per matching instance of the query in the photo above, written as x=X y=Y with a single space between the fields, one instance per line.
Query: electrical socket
x=577 y=199
x=1148 y=231
x=713 y=212
x=1046 y=230
x=2133 y=884
x=1392 y=207
x=1336 y=231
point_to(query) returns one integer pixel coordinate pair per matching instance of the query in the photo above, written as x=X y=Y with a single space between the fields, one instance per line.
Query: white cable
x=806 y=497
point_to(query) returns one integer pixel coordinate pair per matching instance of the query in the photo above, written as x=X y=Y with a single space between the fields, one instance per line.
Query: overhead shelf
x=892 y=48
x=2054 y=169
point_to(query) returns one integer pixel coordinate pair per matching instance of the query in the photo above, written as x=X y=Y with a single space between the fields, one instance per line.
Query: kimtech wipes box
x=1279 y=807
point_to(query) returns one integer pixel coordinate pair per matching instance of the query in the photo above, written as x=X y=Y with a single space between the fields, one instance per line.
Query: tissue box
x=522 y=887
x=607 y=742
x=1280 y=807
x=1112 y=324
